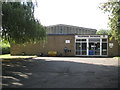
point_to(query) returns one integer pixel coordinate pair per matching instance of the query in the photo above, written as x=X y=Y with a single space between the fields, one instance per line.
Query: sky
x=82 y=13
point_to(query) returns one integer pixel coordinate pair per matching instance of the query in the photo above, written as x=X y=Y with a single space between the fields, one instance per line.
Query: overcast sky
x=83 y=13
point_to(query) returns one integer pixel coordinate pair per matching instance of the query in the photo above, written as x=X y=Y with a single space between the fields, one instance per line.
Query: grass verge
x=116 y=57
x=8 y=56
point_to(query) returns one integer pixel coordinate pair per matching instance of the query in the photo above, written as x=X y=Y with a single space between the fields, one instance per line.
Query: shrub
x=5 y=48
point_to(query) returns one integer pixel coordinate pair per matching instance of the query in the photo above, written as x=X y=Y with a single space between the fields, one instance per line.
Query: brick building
x=69 y=40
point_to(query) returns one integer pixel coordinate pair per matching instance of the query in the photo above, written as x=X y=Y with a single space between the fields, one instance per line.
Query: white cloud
x=83 y=13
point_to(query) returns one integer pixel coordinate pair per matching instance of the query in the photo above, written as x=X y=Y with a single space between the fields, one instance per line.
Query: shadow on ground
x=39 y=73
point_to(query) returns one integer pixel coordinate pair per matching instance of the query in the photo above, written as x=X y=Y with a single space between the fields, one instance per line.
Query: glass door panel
x=91 y=48
x=97 y=48
x=84 y=48
x=104 y=48
x=94 y=48
x=77 y=48
x=81 y=47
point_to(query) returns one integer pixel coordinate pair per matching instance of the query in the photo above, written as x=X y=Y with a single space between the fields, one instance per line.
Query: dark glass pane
x=97 y=52
x=84 y=52
x=91 y=46
x=80 y=39
x=77 y=52
x=97 y=46
x=84 y=46
x=77 y=46
x=104 y=45
x=104 y=40
x=83 y=39
x=94 y=40
x=104 y=48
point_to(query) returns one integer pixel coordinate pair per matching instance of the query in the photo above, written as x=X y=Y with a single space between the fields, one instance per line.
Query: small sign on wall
x=110 y=45
x=67 y=41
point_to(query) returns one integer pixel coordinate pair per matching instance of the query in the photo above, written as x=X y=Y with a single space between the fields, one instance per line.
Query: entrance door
x=94 y=46
x=81 y=47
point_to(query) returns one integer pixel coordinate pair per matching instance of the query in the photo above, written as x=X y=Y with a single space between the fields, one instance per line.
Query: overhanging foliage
x=113 y=8
x=19 y=24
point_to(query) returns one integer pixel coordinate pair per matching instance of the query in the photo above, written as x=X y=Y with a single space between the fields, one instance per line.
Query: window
x=104 y=40
x=80 y=39
x=61 y=31
x=94 y=40
x=104 y=48
x=67 y=41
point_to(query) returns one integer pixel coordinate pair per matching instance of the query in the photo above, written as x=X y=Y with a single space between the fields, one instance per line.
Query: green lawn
x=116 y=57
x=8 y=56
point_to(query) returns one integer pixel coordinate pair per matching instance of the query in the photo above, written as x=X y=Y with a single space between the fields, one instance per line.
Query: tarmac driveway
x=61 y=72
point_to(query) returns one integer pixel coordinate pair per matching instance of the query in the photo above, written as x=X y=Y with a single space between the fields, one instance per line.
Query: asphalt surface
x=60 y=72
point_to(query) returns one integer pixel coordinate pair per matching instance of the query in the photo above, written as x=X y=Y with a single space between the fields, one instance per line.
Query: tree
x=19 y=24
x=104 y=32
x=113 y=8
